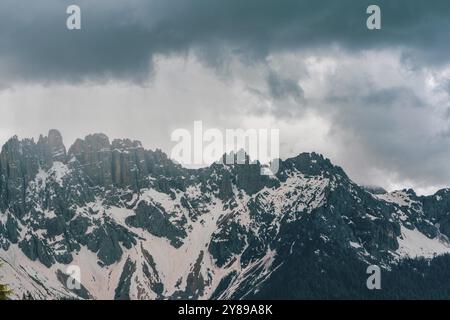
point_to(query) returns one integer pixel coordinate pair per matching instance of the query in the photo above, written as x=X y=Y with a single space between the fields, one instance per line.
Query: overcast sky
x=375 y=102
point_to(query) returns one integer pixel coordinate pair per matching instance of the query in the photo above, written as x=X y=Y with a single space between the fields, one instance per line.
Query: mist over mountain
x=140 y=226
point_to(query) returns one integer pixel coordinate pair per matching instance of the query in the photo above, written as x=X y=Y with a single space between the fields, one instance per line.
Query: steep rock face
x=142 y=227
x=95 y=156
x=57 y=148
x=55 y=144
x=157 y=222
x=19 y=164
x=437 y=208
x=124 y=163
x=129 y=168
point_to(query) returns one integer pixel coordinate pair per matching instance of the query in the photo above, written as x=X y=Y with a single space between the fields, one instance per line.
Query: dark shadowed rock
x=57 y=148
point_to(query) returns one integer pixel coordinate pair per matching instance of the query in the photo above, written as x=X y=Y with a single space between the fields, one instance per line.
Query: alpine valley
x=140 y=226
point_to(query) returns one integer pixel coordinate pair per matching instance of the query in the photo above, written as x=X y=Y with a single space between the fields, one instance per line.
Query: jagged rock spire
x=57 y=148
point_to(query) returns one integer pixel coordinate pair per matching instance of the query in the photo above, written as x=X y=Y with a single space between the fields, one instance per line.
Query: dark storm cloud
x=393 y=130
x=282 y=88
x=385 y=98
x=119 y=39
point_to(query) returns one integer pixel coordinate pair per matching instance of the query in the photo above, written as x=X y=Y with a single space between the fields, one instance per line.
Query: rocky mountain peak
x=51 y=148
x=310 y=164
x=374 y=189
x=126 y=144
x=93 y=143
x=56 y=144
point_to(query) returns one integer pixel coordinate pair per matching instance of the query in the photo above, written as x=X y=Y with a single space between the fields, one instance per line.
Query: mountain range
x=140 y=226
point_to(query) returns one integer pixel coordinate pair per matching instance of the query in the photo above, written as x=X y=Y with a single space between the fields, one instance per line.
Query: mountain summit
x=139 y=226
